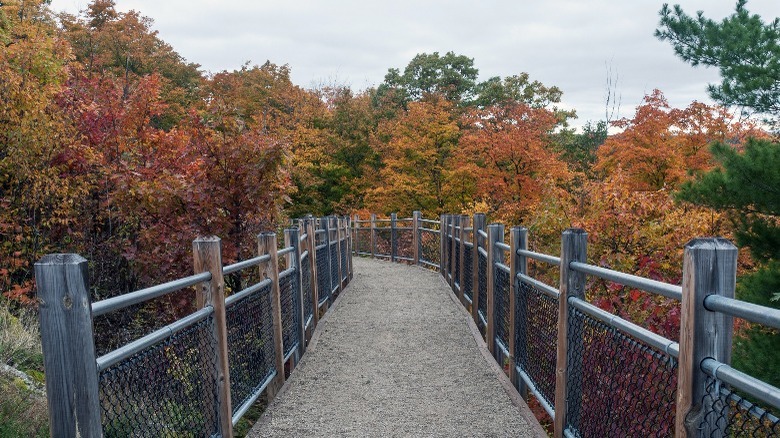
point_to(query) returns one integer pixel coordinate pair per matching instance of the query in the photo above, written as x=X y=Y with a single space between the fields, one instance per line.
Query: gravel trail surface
x=396 y=356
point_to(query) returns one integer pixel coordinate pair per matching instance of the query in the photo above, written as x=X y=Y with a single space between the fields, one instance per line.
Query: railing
x=597 y=374
x=200 y=374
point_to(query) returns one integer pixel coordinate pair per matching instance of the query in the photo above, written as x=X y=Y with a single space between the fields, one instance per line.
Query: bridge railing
x=198 y=375
x=595 y=373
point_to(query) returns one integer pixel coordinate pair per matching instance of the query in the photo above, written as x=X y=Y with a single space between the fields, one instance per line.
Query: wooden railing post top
x=518 y=229
x=496 y=226
x=206 y=239
x=60 y=259
x=574 y=231
x=711 y=243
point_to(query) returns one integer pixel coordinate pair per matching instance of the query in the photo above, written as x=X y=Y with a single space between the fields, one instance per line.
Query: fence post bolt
x=709 y=268
x=572 y=284
x=68 y=345
x=266 y=244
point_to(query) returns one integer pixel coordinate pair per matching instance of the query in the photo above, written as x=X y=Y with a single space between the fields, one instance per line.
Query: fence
x=595 y=373
x=200 y=374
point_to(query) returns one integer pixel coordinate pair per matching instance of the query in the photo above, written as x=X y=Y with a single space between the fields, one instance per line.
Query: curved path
x=397 y=356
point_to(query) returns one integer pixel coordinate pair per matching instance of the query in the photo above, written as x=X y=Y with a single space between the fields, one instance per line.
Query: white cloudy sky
x=568 y=43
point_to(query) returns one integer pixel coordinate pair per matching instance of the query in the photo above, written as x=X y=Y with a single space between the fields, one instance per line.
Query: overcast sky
x=568 y=43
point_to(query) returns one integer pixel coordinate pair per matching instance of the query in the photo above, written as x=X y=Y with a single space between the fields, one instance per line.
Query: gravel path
x=397 y=357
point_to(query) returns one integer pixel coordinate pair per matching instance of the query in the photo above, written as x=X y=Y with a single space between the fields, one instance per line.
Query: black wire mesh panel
x=617 y=385
x=404 y=243
x=482 y=305
x=456 y=268
x=384 y=241
x=466 y=287
x=334 y=266
x=167 y=389
x=536 y=338
x=738 y=417
x=323 y=273
x=290 y=311
x=430 y=249
x=308 y=293
x=344 y=250
x=250 y=340
x=363 y=240
x=501 y=301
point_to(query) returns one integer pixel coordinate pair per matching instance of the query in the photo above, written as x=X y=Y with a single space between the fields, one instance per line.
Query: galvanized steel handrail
x=741 y=381
x=544 y=287
x=255 y=261
x=748 y=311
x=646 y=284
x=430 y=230
x=540 y=257
x=247 y=291
x=655 y=340
x=119 y=302
x=127 y=350
x=503 y=246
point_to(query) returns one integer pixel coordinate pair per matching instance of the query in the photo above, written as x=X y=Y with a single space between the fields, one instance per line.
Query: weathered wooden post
x=453 y=233
x=266 y=244
x=355 y=235
x=373 y=235
x=292 y=237
x=68 y=346
x=416 y=216
x=464 y=223
x=479 y=224
x=207 y=255
x=494 y=255
x=709 y=268
x=325 y=224
x=336 y=221
x=350 y=244
x=518 y=264
x=393 y=236
x=572 y=284
x=315 y=292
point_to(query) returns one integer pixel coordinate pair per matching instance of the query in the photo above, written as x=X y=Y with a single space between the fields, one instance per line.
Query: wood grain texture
x=68 y=346
x=207 y=254
x=572 y=284
x=709 y=267
x=266 y=244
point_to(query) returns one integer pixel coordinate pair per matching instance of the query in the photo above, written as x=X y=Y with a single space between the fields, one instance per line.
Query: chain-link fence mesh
x=344 y=254
x=334 y=267
x=363 y=240
x=384 y=241
x=323 y=273
x=468 y=271
x=430 y=250
x=308 y=292
x=404 y=242
x=536 y=338
x=482 y=291
x=727 y=413
x=456 y=268
x=290 y=310
x=167 y=389
x=617 y=385
x=502 y=289
x=250 y=340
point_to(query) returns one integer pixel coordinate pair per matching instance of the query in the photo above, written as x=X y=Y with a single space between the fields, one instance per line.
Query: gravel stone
x=396 y=357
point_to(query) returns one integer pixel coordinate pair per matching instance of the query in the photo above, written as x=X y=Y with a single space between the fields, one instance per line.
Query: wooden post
x=355 y=236
x=393 y=234
x=464 y=223
x=339 y=237
x=709 y=268
x=207 y=255
x=442 y=239
x=266 y=244
x=572 y=284
x=454 y=222
x=494 y=253
x=518 y=264
x=349 y=254
x=373 y=235
x=311 y=232
x=416 y=216
x=325 y=223
x=479 y=224
x=293 y=236
x=68 y=346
